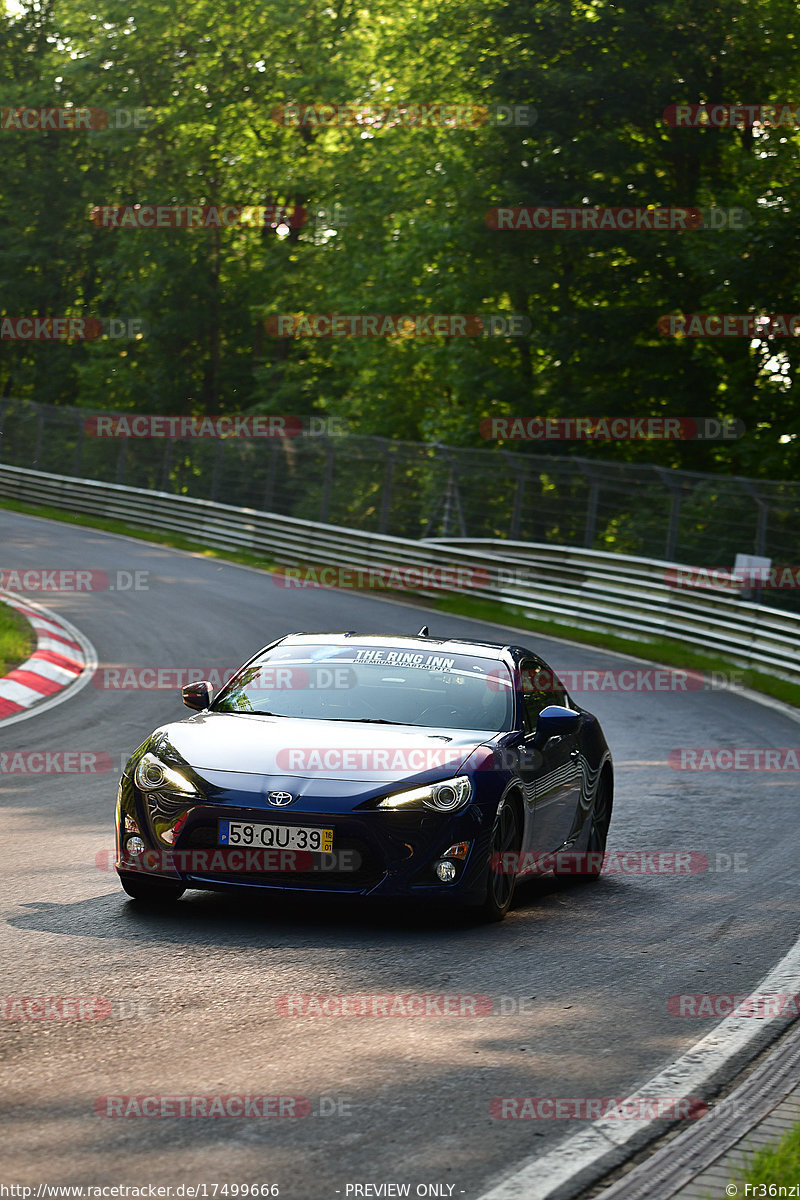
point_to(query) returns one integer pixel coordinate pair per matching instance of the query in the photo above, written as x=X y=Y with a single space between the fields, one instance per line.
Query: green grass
x=773 y=1166
x=664 y=651
x=17 y=639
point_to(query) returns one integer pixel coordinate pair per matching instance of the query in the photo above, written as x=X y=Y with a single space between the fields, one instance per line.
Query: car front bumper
x=385 y=854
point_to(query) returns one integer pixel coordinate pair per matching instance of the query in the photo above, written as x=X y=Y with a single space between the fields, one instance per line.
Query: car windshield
x=374 y=683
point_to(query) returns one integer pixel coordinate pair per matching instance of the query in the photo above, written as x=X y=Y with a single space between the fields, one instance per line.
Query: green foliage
x=773 y=1167
x=410 y=233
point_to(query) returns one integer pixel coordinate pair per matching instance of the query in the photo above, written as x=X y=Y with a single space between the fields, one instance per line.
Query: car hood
x=219 y=745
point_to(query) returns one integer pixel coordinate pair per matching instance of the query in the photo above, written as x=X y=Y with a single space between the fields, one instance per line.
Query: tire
x=150 y=891
x=500 y=885
x=600 y=820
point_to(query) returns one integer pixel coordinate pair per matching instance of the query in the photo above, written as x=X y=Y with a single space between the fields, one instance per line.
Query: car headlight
x=152 y=775
x=448 y=796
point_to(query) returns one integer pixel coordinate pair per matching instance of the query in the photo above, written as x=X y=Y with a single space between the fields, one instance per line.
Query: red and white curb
x=62 y=663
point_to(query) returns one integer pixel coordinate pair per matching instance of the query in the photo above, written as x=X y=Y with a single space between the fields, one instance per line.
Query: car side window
x=540 y=687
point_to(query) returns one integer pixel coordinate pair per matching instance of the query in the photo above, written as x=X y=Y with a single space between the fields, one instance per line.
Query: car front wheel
x=506 y=839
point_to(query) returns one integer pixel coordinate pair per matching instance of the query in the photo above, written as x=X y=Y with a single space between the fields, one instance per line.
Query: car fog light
x=135 y=845
x=445 y=871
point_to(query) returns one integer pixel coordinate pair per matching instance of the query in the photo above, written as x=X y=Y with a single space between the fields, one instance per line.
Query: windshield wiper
x=365 y=720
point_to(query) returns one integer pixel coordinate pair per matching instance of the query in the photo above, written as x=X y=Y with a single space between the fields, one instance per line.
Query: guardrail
x=533 y=493
x=587 y=589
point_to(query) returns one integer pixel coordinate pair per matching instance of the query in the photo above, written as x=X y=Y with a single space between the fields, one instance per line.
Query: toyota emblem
x=279 y=799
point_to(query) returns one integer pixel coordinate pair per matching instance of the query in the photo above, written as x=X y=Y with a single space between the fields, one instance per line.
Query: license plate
x=279 y=837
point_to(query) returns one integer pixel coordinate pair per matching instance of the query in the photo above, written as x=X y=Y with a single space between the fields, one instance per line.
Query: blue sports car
x=371 y=765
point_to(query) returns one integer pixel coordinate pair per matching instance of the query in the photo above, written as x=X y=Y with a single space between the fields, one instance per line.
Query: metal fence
x=583 y=588
x=418 y=490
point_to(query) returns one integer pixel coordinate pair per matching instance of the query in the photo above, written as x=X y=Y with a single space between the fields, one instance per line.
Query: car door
x=555 y=772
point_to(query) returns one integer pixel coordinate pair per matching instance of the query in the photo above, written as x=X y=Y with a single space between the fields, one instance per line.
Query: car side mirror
x=198 y=695
x=555 y=721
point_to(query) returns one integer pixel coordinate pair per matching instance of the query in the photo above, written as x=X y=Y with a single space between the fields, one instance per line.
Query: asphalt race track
x=580 y=976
